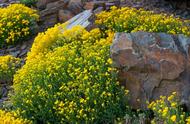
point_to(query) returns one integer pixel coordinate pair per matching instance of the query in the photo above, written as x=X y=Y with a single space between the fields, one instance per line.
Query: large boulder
x=152 y=64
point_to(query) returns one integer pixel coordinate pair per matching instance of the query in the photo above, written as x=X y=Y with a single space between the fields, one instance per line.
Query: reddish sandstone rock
x=89 y=5
x=152 y=64
x=65 y=15
x=75 y=6
x=42 y=3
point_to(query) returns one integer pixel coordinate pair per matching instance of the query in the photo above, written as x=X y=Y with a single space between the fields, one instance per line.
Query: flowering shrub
x=16 y=23
x=167 y=110
x=69 y=80
x=10 y=118
x=8 y=67
x=132 y=20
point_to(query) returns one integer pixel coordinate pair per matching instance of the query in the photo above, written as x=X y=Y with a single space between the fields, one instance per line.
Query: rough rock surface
x=64 y=15
x=75 y=6
x=54 y=11
x=41 y=4
x=5 y=3
x=19 y=50
x=152 y=64
x=49 y=15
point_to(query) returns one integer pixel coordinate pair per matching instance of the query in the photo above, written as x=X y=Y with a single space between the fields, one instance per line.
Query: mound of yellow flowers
x=132 y=20
x=68 y=77
x=17 y=22
x=10 y=118
x=8 y=67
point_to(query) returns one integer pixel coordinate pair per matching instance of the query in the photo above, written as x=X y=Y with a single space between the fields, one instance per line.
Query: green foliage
x=17 y=22
x=29 y=2
x=133 y=20
x=71 y=79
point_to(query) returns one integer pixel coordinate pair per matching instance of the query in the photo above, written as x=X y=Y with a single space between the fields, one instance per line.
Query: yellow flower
x=188 y=120
x=173 y=118
x=170 y=98
x=109 y=61
x=165 y=110
x=151 y=105
x=11 y=118
x=153 y=121
x=173 y=104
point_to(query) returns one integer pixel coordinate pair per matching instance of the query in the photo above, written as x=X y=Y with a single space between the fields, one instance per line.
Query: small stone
x=98 y=10
x=51 y=20
x=15 y=54
x=12 y=49
x=23 y=53
x=89 y=5
x=75 y=6
x=24 y=46
x=2 y=52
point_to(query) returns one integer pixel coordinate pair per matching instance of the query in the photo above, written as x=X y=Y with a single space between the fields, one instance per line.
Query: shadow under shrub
x=73 y=81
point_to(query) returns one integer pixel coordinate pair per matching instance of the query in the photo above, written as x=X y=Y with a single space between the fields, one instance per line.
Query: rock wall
x=152 y=64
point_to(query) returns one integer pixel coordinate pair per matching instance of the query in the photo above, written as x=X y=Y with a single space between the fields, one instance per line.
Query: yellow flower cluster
x=16 y=23
x=167 y=110
x=8 y=67
x=188 y=120
x=68 y=77
x=10 y=118
x=132 y=20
